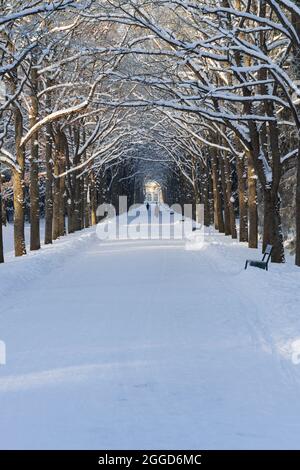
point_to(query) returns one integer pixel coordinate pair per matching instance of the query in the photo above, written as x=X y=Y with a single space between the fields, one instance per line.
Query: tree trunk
x=56 y=199
x=225 y=198
x=218 y=214
x=272 y=226
x=82 y=203
x=93 y=195
x=211 y=195
x=59 y=187
x=71 y=219
x=62 y=200
x=3 y=206
x=252 y=205
x=49 y=179
x=296 y=63
x=206 y=196
x=34 y=168
x=86 y=202
x=77 y=203
x=196 y=190
x=18 y=188
x=243 y=203
x=70 y=196
x=297 y=260
x=72 y=222
x=230 y=199
x=1 y=233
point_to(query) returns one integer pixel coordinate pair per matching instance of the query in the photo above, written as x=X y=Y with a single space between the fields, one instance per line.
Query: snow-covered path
x=143 y=344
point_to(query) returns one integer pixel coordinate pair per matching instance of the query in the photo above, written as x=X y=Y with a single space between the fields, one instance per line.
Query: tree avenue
x=203 y=96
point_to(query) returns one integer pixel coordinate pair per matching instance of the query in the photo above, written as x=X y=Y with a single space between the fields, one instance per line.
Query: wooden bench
x=263 y=264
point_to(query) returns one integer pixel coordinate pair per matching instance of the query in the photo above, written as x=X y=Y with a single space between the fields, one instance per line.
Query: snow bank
x=15 y=273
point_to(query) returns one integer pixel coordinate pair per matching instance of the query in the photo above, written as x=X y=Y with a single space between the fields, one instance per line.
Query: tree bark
x=272 y=226
x=227 y=227
x=49 y=179
x=297 y=260
x=211 y=194
x=252 y=205
x=59 y=187
x=230 y=200
x=18 y=187
x=34 y=168
x=196 y=190
x=86 y=202
x=270 y=153
x=218 y=214
x=56 y=198
x=62 y=198
x=206 y=195
x=93 y=195
x=1 y=232
x=70 y=212
x=243 y=203
x=296 y=53
x=78 y=205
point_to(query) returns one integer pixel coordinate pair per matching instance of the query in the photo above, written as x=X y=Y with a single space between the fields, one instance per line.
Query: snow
x=145 y=344
x=8 y=237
